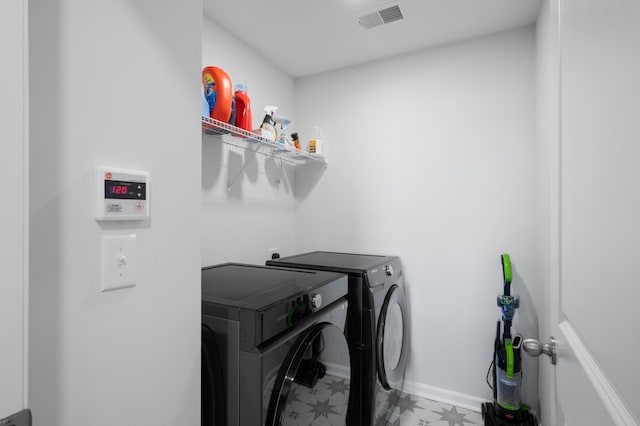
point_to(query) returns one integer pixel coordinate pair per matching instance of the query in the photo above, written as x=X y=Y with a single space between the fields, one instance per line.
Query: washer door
x=213 y=408
x=313 y=383
x=392 y=340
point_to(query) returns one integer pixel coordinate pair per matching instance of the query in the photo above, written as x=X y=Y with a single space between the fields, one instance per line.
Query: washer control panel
x=122 y=194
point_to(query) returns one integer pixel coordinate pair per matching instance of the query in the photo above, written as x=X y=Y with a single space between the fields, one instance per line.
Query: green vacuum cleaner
x=506 y=408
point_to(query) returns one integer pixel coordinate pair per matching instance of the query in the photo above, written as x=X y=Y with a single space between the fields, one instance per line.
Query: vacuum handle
x=506 y=273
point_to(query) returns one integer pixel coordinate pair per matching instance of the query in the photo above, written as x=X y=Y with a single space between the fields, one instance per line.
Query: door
x=391 y=349
x=13 y=213
x=309 y=388
x=595 y=216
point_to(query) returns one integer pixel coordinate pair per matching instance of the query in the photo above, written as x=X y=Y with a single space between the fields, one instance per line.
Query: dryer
x=377 y=325
x=274 y=345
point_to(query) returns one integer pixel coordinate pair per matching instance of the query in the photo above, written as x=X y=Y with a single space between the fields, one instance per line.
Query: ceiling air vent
x=384 y=14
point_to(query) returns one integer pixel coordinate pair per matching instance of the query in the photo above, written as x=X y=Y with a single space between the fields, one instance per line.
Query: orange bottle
x=243 y=108
x=217 y=90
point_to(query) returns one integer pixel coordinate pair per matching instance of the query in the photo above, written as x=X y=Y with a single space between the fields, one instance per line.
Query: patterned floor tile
x=415 y=411
x=326 y=403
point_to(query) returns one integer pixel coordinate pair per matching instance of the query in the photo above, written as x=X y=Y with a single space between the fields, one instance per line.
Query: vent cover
x=381 y=15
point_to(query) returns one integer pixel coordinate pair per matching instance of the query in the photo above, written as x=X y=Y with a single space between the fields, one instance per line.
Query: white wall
x=431 y=157
x=13 y=223
x=114 y=83
x=258 y=213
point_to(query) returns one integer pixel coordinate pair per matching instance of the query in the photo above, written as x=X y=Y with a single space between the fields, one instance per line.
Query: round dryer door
x=392 y=340
x=313 y=383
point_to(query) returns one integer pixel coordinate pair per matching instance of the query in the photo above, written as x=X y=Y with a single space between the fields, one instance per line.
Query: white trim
x=433 y=393
x=25 y=206
x=445 y=396
x=603 y=387
x=337 y=370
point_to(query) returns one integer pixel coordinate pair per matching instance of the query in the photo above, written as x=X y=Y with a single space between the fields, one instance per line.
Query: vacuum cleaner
x=506 y=366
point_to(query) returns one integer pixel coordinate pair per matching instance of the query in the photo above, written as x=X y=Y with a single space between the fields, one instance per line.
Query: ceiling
x=305 y=37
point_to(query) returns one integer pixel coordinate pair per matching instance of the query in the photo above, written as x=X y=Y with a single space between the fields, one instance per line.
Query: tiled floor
x=326 y=403
x=415 y=411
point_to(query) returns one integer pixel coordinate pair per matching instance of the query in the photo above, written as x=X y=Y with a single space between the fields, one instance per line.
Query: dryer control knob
x=388 y=270
x=316 y=300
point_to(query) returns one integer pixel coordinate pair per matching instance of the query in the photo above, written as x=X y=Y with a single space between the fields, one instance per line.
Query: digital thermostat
x=122 y=194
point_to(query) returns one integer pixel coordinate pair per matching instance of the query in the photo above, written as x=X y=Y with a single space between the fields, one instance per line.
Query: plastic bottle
x=296 y=141
x=217 y=90
x=268 y=129
x=243 y=108
x=316 y=145
x=232 y=118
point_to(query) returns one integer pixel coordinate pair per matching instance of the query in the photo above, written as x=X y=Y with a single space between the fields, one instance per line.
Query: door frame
x=15 y=137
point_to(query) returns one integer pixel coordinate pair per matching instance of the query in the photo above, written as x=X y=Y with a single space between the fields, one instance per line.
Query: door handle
x=535 y=348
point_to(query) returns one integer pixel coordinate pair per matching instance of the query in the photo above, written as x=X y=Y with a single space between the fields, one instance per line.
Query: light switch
x=118 y=262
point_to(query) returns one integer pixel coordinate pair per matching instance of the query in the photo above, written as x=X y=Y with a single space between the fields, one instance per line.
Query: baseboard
x=445 y=396
x=433 y=393
x=337 y=370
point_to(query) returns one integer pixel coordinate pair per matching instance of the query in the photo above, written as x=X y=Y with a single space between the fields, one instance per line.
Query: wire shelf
x=248 y=140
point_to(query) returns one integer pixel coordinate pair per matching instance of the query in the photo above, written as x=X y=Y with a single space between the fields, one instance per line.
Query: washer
x=274 y=347
x=378 y=325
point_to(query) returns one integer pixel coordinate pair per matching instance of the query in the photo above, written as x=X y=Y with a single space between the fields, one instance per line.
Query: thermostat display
x=119 y=190
x=122 y=194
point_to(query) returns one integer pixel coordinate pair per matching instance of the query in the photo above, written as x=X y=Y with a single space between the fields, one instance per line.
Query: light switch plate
x=118 y=262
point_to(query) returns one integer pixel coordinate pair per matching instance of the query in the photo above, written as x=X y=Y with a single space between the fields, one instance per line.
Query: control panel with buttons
x=122 y=194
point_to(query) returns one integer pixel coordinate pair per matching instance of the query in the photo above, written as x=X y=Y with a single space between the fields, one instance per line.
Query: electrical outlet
x=273 y=251
x=118 y=262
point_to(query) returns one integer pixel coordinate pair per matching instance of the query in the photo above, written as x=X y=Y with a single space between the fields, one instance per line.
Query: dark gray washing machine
x=377 y=325
x=273 y=343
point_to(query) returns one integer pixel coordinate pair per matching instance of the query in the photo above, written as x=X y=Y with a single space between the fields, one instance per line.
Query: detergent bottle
x=216 y=85
x=232 y=118
x=243 y=108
